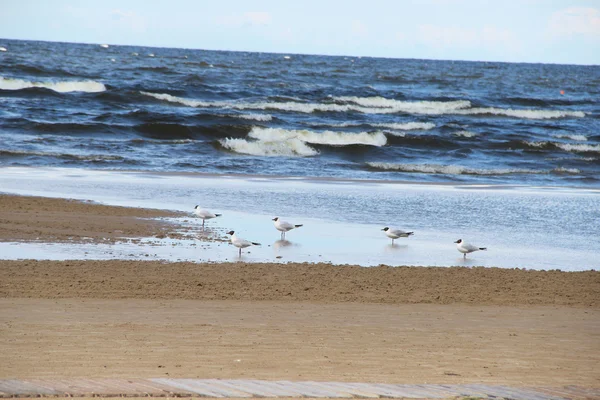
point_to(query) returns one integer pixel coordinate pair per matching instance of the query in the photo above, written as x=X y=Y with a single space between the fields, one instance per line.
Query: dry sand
x=282 y=321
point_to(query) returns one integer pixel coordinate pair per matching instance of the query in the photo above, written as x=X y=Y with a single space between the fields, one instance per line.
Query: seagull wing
x=286 y=225
x=400 y=232
x=470 y=247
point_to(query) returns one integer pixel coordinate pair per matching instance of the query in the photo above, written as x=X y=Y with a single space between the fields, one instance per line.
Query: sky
x=545 y=31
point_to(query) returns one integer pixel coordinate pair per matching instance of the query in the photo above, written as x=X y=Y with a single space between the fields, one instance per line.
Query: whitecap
x=329 y=138
x=580 y=138
x=289 y=148
x=563 y=170
x=523 y=113
x=449 y=169
x=579 y=148
x=461 y=107
x=403 y=126
x=375 y=105
x=255 y=117
x=467 y=134
x=419 y=107
x=58 y=86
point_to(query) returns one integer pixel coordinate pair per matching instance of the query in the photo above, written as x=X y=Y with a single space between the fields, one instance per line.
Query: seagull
x=204 y=214
x=396 y=233
x=467 y=247
x=284 y=226
x=240 y=243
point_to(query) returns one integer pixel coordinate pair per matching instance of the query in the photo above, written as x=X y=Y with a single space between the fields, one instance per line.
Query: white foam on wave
x=58 y=86
x=580 y=138
x=401 y=126
x=289 y=148
x=256 y=117
x=462 y=107
x=419 y=107
x=522 y=113
x=579 y=148
x=460 y=170
x=329 y=138
x=563 y=170
x=570 y=147
x=375 y=105
x=467 y=134
x=291 y=106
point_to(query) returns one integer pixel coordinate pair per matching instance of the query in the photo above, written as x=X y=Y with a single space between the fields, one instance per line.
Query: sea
x=164 y=109
x=503 y=155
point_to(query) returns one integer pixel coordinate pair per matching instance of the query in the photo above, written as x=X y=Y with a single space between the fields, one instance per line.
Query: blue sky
x=548 y=31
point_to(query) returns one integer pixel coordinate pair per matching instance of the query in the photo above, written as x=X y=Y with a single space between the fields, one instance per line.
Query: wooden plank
x=399 y=391
x=245 y=386
x=442 y=390
x=176 y=384
x=473 y=390
x=344 y=389
x=15 y=387
x=417 y=392
x=515 y=393
x=277 y=388
x=309 y=390
x=590 y=393
x=558 y=393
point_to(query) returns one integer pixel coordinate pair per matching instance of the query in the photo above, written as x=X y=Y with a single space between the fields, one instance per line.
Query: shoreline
x=322 y=179
x=138 y=225
x=62 y=220
x=287 y=321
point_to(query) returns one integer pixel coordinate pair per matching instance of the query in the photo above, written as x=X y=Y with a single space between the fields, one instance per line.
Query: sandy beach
x=296 y=321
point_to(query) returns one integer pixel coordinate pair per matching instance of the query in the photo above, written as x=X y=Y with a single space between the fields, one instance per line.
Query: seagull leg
x=392 y=242
x=465 y=256
x=203 y=221
x=240 y=252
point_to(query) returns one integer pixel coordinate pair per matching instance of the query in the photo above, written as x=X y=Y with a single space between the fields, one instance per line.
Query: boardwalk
x=243 y=388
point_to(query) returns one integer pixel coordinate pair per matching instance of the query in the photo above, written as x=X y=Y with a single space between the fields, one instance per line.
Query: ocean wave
x=328 y=138
x=466 y=134
x=523 y=113
x=401 y=126
x=460 y=107
x=579 y=148
x=255 y=117
x=460 y=170
x=87 y=86
x=420 y=107
x=375 y=105
x=67 y=156
x=289 y=148
x=570 y=147
x=580 y=138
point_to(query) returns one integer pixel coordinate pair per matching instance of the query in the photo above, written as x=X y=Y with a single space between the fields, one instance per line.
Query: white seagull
x=466 y=248
x=240 y=243
x=284 y=226
x=204 y=214
x=396 y=233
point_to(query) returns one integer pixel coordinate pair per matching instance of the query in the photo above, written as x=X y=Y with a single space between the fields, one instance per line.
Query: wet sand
x=25 y=218
x=293 y=321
